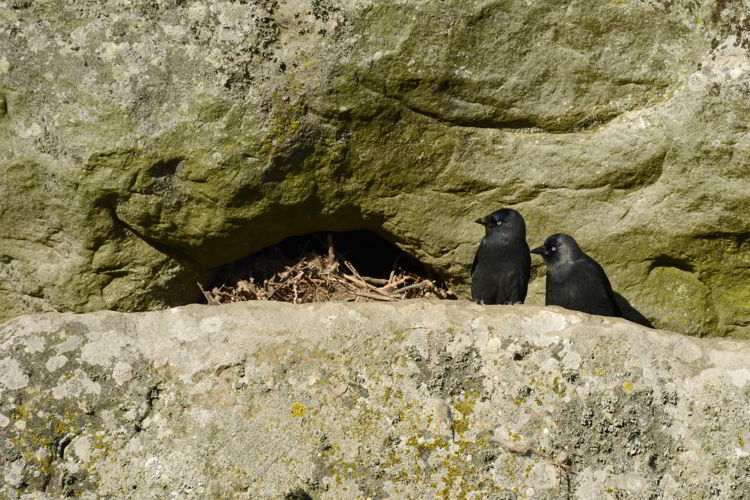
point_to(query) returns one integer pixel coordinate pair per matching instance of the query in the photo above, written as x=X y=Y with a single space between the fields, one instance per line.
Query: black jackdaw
x=502 y=264
x=575 y=280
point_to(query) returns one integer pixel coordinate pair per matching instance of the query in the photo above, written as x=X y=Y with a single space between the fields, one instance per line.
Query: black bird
x=575 y=280
x=502 y=264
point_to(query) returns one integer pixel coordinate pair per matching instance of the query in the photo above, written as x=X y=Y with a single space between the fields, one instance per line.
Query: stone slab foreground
x=418 y=399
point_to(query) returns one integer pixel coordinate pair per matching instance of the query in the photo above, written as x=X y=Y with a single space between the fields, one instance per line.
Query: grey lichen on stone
x=407 y=400
x=145 y=145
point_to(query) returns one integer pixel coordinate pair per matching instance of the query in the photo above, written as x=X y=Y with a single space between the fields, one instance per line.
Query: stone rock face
x=145 y=143
x=419 y=399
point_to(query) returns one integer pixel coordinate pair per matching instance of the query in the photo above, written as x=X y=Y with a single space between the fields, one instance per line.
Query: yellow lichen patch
x=398 y=337
x=430 y=445
x=437 y=443
x=460 y=426
x=558 y=386
x=393 y=459
x=527 y=471
x=102 y=442
x=387 y=394
x=456 y=470
x=399 y=477
x=283 y=127
x=466 y=408
x=298 y=409
x=509 y=467
x=627 y=386
x=366 y=422
x=454 y=465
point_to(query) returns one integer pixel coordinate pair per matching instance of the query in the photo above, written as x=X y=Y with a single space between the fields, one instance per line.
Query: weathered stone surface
x=144 y=143
x=417 y=399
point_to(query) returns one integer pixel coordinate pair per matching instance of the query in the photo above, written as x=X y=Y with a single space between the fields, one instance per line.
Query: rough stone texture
x=419 y=399
x=146 y=142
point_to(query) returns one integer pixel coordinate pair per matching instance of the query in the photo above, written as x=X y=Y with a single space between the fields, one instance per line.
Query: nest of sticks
x=318 y=278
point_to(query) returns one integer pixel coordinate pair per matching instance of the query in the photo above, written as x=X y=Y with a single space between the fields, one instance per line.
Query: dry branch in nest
x=318 y=278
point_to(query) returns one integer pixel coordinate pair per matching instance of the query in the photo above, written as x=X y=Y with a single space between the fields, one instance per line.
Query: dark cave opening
x=377 y=265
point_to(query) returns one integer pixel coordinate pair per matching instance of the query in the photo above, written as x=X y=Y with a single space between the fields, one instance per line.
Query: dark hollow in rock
x=350 y=265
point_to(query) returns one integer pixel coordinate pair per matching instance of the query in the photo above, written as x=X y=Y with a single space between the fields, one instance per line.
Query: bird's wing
x=608 y=287
x=516 y=269
x=598 y=290
x=580 y=285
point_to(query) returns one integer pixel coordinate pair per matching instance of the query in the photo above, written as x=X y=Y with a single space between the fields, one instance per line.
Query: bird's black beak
x=539 y=250
x=481 y=220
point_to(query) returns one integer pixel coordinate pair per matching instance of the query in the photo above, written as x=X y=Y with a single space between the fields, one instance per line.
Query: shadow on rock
x=630 y=313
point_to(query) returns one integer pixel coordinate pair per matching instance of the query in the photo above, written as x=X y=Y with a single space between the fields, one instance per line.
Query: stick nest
x=318 y=278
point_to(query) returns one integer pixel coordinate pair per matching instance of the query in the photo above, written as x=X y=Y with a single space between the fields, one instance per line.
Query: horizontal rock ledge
x=418 y=399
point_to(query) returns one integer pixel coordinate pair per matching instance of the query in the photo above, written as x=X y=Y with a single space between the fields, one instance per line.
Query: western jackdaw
x=502 y=264
x=575 y=280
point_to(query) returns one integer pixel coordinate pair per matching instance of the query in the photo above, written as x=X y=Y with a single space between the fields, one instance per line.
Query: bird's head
x=505 y=220
x=558 y=248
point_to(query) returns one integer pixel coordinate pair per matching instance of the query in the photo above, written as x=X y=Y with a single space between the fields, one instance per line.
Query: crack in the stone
x=62 y=444
x=740 y=237
x=487 y=123
x=670 y=261
x=176 y=255
x=519 y=125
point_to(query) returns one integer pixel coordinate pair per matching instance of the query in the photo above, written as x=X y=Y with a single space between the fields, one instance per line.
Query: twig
x=273 y=291
x=421 y=284
x=352 y=269
x=317 y=287
x=209 y=297
x=375 y=281
x=325 y=277
x=346 y=284
x=375 y=296
x=393 y=284
x=359 y=277
x=331 y=264
x=361 y=282
x=354 y=279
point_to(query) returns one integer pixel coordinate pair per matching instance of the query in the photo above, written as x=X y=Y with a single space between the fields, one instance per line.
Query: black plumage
x=575 y=280
x=502 y=264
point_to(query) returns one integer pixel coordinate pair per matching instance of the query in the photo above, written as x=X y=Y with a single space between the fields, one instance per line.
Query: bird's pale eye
x=553 y=249
x=499 y=222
